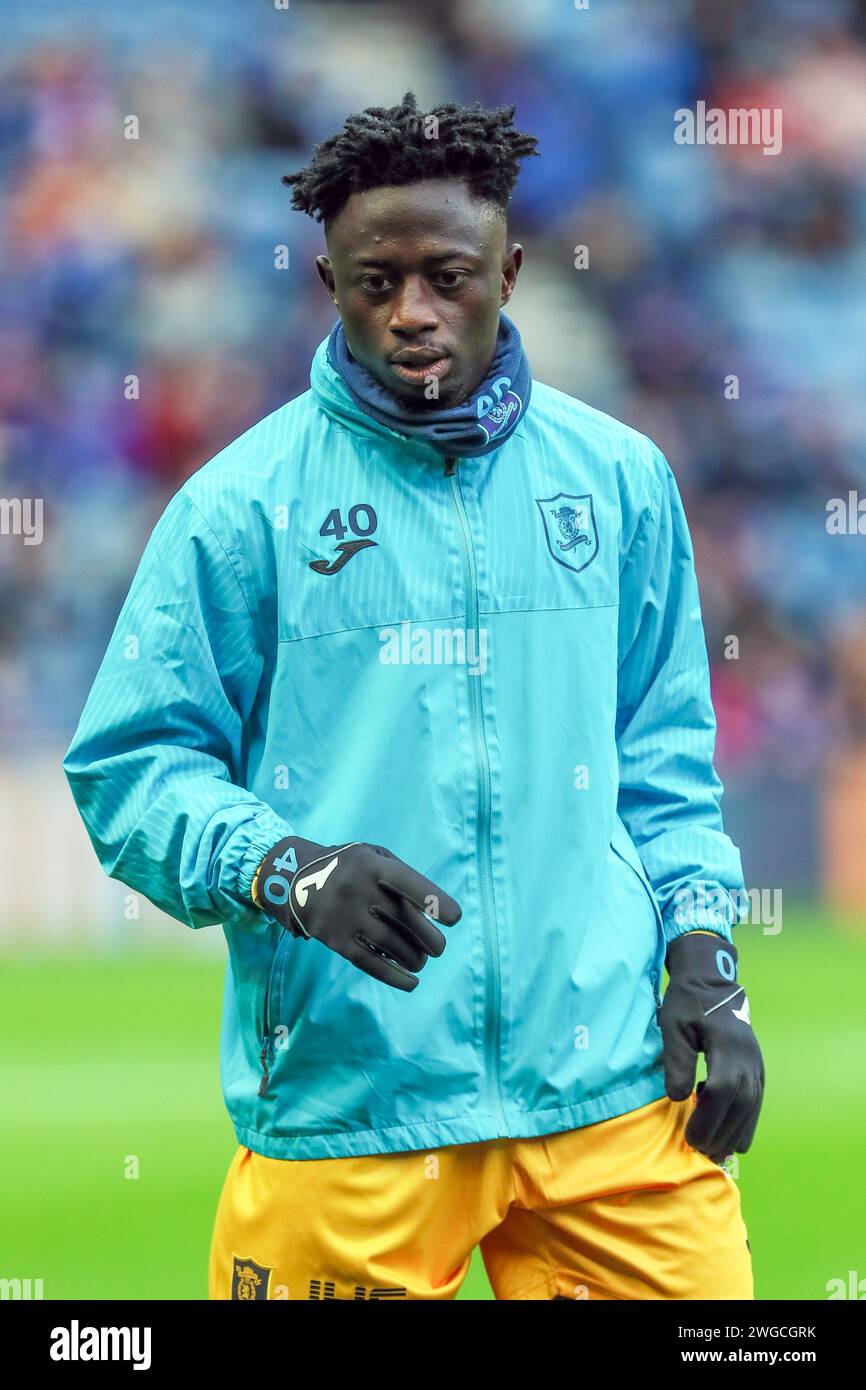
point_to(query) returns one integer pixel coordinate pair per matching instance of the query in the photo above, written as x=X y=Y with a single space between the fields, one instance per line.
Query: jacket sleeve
x=155 y=762
x=670 y=796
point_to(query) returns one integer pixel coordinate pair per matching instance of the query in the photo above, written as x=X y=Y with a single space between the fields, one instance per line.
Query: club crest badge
x=249 y=1280
x=498 y=413
x=570 y=529
x=501 y=417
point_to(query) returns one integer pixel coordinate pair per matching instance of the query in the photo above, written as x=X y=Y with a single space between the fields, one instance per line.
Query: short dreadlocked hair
x=393 y=146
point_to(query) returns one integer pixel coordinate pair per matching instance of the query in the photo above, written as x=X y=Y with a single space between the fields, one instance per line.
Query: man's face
x=419 y=274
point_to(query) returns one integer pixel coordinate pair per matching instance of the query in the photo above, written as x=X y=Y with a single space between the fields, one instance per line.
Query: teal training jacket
x=494 y=667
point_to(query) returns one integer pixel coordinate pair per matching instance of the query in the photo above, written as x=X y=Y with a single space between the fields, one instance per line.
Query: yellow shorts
x=624 y=1209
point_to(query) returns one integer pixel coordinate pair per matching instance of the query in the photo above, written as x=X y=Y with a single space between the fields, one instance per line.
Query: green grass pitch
x=107 y=1056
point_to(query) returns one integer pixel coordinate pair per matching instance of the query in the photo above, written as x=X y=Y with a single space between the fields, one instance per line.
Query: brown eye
x=451 y=279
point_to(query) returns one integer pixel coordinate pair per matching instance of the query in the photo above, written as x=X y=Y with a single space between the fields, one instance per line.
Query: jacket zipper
x=266 y=1051
x=492 y=978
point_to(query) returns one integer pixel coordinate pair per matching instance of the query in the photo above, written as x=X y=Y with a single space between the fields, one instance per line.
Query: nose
x=412 y=309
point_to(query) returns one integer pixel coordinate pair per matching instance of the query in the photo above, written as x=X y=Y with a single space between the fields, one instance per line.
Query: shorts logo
x=249 y=1280
x=570 y=530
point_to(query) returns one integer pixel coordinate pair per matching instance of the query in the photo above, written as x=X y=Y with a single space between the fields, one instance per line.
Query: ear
x=326 y=275
x=510 y=271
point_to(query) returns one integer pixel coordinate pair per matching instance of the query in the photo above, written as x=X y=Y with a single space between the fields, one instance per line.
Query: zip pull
x=450 y=467
x=266 y=1075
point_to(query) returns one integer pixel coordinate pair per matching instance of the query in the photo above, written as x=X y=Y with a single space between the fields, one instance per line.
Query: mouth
x=417 y=365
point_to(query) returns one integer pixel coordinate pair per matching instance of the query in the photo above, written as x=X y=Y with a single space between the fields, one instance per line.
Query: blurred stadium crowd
x=153 y=258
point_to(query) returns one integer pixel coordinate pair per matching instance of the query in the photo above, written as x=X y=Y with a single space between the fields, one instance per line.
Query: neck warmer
x=476 y=426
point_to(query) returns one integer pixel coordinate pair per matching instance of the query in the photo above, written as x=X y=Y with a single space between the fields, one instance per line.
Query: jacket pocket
x=270 y=1011
x=656 y=973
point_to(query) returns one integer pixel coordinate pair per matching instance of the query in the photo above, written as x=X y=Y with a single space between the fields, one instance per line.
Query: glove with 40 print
x=706 y=1009
x=361 y=901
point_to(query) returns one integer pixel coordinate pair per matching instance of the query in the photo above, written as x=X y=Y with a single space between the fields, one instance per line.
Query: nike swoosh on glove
x=361 y=901
x=706 y=1009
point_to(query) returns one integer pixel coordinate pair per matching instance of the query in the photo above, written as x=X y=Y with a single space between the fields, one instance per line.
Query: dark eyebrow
x=375 y=263
x=451 y=254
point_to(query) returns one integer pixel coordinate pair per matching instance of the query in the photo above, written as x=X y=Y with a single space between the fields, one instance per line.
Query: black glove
x=706 y=1010
x=361 y=901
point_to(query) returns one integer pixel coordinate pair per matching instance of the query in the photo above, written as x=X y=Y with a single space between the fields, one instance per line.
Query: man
x=416 y=668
